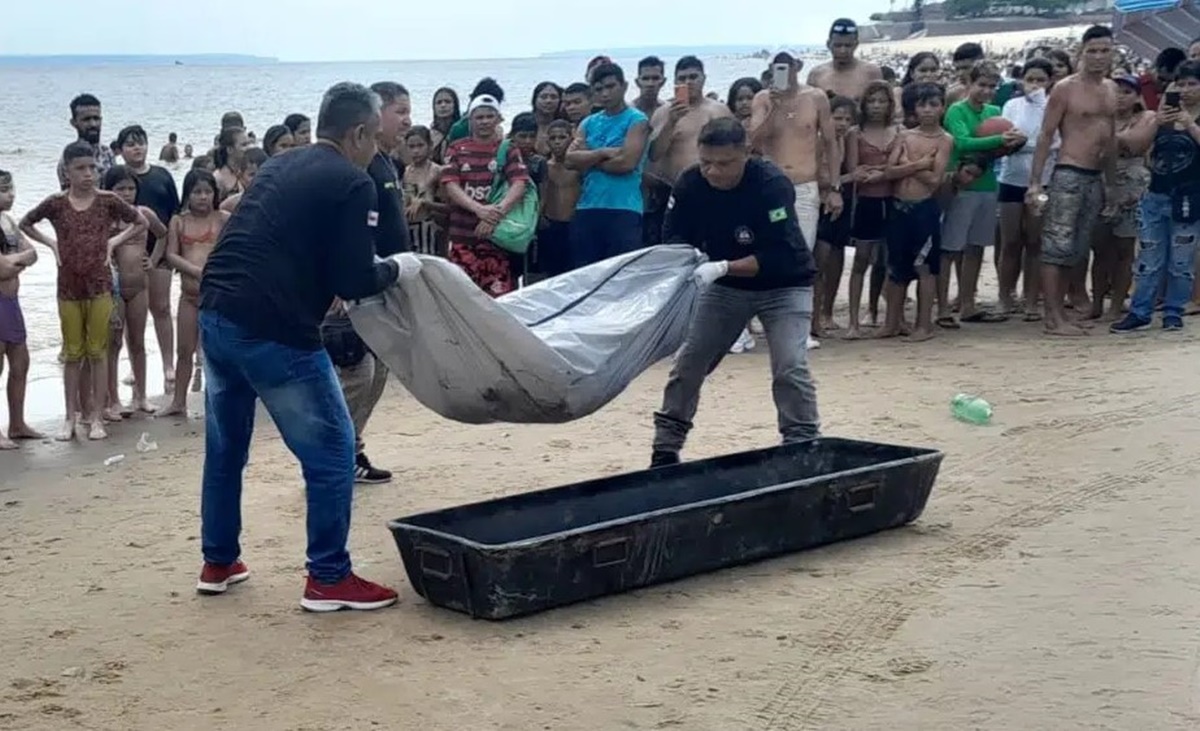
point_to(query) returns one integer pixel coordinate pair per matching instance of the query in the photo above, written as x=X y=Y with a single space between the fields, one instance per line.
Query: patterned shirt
x=104 y=160
x=472 y=164
x=83 y=241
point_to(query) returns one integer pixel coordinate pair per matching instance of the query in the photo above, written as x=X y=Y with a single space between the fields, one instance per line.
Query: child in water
x=190 y=239
x=131 y=263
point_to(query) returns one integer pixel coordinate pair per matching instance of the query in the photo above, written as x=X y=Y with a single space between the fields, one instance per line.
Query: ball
x=993 y=127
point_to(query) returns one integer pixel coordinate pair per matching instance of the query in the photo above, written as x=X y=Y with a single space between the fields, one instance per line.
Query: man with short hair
x=1082 y=109
x=1156 y=81
x=86 y=119
x=741 y=212
x=610 y=150
x=303 y=234
x=843 y=74
x=362 y=375
x=964 y=59
x=651 y=77
x=793 y=128
x=675 y=127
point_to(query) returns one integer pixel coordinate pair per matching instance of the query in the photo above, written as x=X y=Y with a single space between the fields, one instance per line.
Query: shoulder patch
x=777 y=215
x=372 y=218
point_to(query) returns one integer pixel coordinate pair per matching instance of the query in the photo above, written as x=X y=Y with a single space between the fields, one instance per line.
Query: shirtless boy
x=83 y=218
x=844 y=75
x=675 y=128
x=560 y=193
x=1082 y=109
x=918 y=165
x=16 y=255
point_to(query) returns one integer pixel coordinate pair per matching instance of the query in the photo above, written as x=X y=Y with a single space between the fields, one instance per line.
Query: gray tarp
x=551 y=352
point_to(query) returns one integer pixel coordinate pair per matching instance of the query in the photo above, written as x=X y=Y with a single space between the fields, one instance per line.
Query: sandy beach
x=1049 y=585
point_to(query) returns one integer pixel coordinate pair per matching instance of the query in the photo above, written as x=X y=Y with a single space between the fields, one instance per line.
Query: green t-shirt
x=1007 y=91
x=960 y=121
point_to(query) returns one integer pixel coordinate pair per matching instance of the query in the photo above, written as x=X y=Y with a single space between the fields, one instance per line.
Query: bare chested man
x=1082 y=109
x=793 y=128
x=844 y=75
x=651 y=77
x=675 y=128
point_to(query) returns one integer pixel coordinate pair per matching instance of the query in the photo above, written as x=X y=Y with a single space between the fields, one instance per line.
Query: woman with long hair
x=446 y=112
x=547 y=107
x=228 y=155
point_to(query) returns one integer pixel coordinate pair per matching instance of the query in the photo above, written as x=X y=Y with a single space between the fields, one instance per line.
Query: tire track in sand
x=799 y=702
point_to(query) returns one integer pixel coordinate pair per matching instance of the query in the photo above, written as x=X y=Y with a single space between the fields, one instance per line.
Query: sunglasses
x=844 y=29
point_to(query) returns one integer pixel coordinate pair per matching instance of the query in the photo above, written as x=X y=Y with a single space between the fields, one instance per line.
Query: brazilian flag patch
x=777 y=215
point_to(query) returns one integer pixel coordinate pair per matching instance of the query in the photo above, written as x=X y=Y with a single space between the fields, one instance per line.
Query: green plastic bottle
x=971 y=409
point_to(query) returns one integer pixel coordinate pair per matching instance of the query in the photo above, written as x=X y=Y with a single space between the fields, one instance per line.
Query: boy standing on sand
x=16 y=255
x=559 y=196
x=82 y=217
x=918 y=165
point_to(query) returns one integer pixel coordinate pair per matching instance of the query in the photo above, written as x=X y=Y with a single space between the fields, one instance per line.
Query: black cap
x=843 y=27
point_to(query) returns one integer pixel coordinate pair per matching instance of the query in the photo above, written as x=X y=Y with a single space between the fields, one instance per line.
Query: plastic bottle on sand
x=971 y=409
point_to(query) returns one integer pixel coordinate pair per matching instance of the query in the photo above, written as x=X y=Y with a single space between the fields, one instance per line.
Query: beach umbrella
x=1149 y=26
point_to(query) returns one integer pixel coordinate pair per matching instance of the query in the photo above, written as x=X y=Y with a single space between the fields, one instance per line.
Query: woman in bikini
x=132 y=263
x=190 y=239
x=420 y=188
x=228 y=156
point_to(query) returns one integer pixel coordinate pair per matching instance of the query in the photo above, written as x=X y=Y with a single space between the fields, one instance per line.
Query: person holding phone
x=675 y=128
x=1169 y=215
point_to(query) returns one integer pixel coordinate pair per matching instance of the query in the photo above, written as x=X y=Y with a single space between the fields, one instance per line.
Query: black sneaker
x=663 y=458
x=1172 y=322
x=367 y=474
x=1131 y=323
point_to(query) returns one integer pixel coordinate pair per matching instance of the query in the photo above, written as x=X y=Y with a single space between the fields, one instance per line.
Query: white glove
x=710 y=271
x=409 y=264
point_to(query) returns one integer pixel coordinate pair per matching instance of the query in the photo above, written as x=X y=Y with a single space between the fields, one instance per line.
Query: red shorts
x=487 y=265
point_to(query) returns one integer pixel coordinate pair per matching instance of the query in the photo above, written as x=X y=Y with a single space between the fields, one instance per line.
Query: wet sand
x=1049 y=585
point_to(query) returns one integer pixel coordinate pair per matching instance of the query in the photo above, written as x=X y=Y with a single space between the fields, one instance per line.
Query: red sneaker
x=349 y=593
x=216 y=579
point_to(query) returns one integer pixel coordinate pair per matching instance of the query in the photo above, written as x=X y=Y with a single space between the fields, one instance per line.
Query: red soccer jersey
x=472 y=164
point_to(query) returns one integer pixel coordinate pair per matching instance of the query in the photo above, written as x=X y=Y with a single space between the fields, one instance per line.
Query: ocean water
x=189 y=100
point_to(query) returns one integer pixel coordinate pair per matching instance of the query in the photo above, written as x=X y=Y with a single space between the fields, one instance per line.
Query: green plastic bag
x=516 y=231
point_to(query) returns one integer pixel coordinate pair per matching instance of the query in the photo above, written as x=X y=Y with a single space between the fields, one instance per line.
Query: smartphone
x=780 y=76
x=1172 y=99
x=682 y=96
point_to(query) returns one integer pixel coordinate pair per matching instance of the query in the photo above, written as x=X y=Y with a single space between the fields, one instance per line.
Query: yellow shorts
x=85 y=327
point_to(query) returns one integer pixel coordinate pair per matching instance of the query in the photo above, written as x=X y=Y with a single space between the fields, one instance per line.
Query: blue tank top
x=603 y=190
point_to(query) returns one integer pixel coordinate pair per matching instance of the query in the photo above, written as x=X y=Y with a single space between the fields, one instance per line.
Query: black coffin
x=529 y=552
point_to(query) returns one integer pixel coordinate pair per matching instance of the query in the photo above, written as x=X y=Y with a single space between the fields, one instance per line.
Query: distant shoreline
x=214 y=59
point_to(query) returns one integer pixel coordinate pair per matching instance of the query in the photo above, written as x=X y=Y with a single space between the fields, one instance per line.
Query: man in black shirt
x=156 y=191
x=363 y=376
x=303 y=234
x=741 y=213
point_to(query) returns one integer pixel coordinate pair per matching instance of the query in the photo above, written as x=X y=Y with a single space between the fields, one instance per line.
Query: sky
x=309 y=30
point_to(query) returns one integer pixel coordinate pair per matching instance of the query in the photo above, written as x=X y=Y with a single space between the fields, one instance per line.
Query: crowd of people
x=1072 y=158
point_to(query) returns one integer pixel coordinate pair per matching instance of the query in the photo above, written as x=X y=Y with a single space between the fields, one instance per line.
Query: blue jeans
x=1165 y=245
x=602 y=233
x=301 y=392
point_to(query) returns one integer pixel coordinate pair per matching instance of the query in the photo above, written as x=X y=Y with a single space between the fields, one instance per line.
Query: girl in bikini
x=132 y=262
x=228 y=156
x=420 y=186
x=190 y=239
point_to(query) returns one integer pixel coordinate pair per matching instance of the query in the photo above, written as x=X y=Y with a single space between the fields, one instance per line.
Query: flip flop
x=947 y=323
x=985 y=317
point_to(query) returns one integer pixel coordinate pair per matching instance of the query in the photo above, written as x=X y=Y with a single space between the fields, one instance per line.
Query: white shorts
x=808 y=211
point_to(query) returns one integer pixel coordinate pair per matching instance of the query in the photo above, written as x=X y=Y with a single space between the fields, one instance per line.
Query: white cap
x=483 y=101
